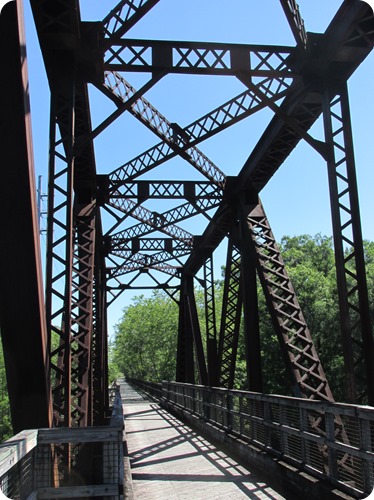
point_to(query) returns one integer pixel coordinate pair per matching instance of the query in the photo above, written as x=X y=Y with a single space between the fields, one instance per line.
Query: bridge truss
x=91 y=262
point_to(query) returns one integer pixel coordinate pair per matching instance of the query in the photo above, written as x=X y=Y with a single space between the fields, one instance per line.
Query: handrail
x=286 y=427
x=33 y=463
x=301 y=432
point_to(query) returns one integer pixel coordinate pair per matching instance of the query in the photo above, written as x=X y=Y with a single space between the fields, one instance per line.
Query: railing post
x=330 y=438
x=267 y=419
x=303 y=423
x=240 y=415
x=366 y=444
x=283 y=435
x=206 y=404
x=229 y=407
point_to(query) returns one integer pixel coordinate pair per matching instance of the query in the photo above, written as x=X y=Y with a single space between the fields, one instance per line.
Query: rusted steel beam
x=22 y=313
x=300 y=354
x=355 y=320
x=231 y=316
x=210 y=323
x=70 y=305
x=198 y=58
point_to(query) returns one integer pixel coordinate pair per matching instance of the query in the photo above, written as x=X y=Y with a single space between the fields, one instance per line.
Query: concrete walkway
x=170 y=461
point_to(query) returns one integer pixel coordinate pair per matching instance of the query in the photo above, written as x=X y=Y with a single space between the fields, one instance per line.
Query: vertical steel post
x=210 y=320
x=300 y=354
x=192 y=324
x=185 y=360
x=60 y=242
x=82 y=310
x=250 y=307
x=356 y=329
x=99 y=359
x=231 y=315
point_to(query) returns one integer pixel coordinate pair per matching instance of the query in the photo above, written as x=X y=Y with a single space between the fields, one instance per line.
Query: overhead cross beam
x=199 y=58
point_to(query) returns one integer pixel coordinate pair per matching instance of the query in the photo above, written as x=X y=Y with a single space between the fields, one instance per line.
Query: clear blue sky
x=296 y=199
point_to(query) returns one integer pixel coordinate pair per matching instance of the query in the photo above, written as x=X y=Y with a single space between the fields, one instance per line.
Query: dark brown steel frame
x=315 y=74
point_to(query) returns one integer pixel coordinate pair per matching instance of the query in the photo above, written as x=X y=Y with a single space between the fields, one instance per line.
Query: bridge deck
x=170 y=461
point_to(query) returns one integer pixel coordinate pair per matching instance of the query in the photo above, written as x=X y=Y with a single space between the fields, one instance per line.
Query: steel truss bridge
x=60 y=334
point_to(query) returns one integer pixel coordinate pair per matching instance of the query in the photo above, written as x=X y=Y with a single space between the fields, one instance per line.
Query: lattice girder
x=233 y=111
x=230 y=319
x=356 y=330
x=289 y=323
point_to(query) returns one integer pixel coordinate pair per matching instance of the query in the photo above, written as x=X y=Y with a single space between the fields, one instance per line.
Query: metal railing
x=152 y=389
x=65 y=462
x=307 y=434
x=17 y=465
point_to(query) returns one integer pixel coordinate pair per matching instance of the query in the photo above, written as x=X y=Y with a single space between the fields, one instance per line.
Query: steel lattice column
x=185 y=362
x=82 y=312
x=99 y=363
x=70 y=274
x=230 y=320
x=357 y=336
x=250 y=306
x=293 y=334
x=210 y=320
x=189 y=336
x=60 y=252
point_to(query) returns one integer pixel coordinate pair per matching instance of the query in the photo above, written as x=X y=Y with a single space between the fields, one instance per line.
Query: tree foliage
x=145 y=342
x=5 y=419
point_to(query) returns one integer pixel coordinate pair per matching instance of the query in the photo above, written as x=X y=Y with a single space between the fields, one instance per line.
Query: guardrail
x=65 y=462
x=152 y=389
x=17 y=465
x=304 y=433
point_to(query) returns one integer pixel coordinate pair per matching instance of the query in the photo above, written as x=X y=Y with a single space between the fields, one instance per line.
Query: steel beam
x=355 y=320
x=82 y=311
x=164 y=222
x=192 y=325
x=99 y=357
x=210 y=322
x=174 y=190
x=122 y=93
x=251 y=320
x=231 y=316
x=199 y=58
x=22 y=313
x=299 y=352
x=185 y=355
x=60 y=250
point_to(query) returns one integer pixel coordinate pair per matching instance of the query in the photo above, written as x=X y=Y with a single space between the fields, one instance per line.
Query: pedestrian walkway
x=170 y=461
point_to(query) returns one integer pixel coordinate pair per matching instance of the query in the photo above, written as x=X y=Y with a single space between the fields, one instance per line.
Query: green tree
x=6 y=430
x=146 y=338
